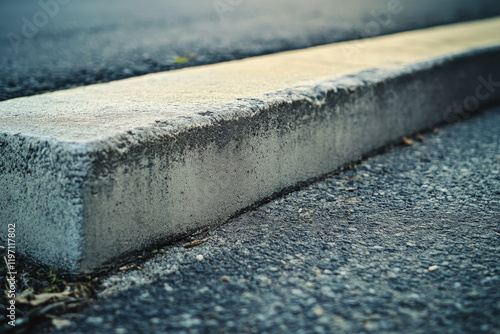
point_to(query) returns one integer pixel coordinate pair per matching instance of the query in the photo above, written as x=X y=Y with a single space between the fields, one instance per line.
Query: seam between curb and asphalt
x=93 y=173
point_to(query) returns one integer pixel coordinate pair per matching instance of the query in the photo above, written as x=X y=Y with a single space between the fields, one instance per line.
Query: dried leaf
x=406 y=141
x=131 y=266
x=195 y=243
x=42 y=298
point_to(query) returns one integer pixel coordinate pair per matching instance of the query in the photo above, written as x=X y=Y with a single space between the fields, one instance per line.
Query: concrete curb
x=88 y=178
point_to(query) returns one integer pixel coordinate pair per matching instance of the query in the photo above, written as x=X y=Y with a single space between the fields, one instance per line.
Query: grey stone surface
x=88 y=180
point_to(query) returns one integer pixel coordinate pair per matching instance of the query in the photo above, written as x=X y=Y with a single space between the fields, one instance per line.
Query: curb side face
x=41 y=185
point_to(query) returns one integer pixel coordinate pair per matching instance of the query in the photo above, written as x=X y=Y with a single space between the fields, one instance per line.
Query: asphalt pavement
x=404 y=241
x=48 y=45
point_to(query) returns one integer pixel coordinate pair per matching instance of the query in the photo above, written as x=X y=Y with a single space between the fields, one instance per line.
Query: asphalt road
x=53 y=44
x=417 y=252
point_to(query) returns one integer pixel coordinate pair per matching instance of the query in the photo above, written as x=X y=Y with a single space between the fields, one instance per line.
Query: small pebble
x=297 y=292
x=199 y=257
x=60 y=323
x=433 y=268
x=95 y=320
x=318 y=311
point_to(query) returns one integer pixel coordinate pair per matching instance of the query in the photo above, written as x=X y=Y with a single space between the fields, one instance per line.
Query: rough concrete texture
x=98 y=172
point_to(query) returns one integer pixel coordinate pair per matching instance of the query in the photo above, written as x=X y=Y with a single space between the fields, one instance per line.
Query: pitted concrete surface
x=47 y=45
x=95 y=173
x=418 y=253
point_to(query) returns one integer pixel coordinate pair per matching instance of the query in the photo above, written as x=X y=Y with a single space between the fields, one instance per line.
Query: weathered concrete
x=91 y=174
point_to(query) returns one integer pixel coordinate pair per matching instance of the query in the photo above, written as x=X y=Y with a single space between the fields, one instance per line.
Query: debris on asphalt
x=38 y=299
x=420 y=138
x=195 y=243
x=406 y=141
x=130 y=267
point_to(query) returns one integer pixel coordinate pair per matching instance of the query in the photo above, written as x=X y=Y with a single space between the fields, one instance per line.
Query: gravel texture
x=84 y=42
x=404 y=241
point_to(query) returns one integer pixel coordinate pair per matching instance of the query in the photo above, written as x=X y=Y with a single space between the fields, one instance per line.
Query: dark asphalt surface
x=76 y=42
x=418 y=253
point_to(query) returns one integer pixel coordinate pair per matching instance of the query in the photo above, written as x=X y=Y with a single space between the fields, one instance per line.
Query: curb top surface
x=105 y=110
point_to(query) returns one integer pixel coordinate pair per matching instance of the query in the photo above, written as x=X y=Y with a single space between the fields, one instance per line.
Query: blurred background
x=47 y=45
